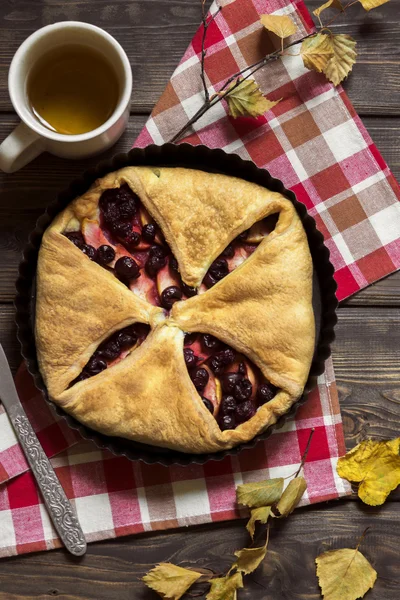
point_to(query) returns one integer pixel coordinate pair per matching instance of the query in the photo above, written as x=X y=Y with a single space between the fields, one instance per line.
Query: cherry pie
x=174 y=308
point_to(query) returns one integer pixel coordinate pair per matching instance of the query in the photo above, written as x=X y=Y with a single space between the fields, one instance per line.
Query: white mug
x=30 y=138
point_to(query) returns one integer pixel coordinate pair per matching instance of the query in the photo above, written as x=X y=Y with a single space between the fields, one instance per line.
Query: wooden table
x=366 y=352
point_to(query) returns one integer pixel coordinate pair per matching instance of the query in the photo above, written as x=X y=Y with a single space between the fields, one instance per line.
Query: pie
x=174 y=308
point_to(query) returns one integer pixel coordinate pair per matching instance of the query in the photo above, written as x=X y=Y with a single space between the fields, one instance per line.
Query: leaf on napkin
x=376 y=466
x=260 y=493
x=343 y=59
x=370 y=4
x=344 y=574
x=170 y=581
x=246 y=99
x=224 y=588
x=283 y=26
x=291 y=496
x=257 y=514
x=249 y=559
x=316 y=52
x=334 y=3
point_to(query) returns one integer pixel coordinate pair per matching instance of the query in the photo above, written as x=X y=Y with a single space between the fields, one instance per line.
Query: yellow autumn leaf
x=224 y=588
x=260 y=493
x=376 y=466
x=246 y=99
x=344 y=574
x=370 y=4
x=257 y=514
x=316 y=52
x=249 y=559
x=283 y=26
x=343 y=59
x=291 y=496
x=169 y=581
x=334 y=3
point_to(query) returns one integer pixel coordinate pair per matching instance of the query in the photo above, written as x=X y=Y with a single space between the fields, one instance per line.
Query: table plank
x=112 y=570
x=24 y=195
x=162 y=30
x=366 y=361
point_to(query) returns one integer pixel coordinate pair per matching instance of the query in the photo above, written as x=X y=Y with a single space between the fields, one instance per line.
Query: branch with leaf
x=332 y=54
x=343 y=574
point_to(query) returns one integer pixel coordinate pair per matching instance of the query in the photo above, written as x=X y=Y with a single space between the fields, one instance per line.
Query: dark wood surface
x=366 y=353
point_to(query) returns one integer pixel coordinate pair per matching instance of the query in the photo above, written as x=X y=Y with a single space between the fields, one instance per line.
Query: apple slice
x=166 y=278
x=252 y=377
x=213 y=390
x=241 y=254
x=145 y=288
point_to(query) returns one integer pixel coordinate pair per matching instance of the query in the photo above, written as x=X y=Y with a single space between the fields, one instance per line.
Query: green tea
x=73 y=89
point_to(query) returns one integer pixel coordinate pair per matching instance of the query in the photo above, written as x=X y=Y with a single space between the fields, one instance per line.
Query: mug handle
x=19 y=148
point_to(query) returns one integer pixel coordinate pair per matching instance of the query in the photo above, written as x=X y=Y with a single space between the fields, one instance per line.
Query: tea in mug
x=72 y=89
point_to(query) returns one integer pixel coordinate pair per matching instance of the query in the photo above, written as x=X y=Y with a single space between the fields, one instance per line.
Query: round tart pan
x=196 y=157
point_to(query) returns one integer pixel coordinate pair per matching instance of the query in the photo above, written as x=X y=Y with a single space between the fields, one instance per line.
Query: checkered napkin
x=317 y=145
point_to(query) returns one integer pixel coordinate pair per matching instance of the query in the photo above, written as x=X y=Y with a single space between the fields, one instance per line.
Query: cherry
x=228 y=405
x=149 y=232
x=227 y=422
x=104 y=255
x=265 y=392
x=242 y=390
x=95 y=365
x=244 y=411
x=90 y=251
x=126 y=268
x=76 y=238
x=200 y=378
x=190 y=358
x=208 y=404
x=170 y=295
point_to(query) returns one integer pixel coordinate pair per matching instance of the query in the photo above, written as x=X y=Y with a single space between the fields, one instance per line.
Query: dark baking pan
x=197 y=157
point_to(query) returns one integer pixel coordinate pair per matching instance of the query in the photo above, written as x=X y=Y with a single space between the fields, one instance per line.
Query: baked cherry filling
x=126 y=241
x=230 y=385
x=113 y=349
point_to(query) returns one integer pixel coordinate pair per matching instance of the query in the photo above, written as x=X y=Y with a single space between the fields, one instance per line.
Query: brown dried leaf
x=370 y=4
x=291 y=496
x=344 y=574
x=343 y=59
x=170 y=581
x=316 y=52
x=246 y=100
x=260 y=493
x=283 y=26
x=249 y=559
x=334 y=3
x=257 y=514
x=224 y=588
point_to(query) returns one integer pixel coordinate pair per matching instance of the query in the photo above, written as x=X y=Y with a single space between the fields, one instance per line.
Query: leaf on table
x=343 y=59
x=291 y=496
x=370 y=4
x=246 y=99
x=316 y=52
x=257 y=514
x=283 y=26
x=170 y=581
x=344 y=574
x=260 y=493
x=224 y=588
x=376 y=466
x=249 y=559
x=334 y=3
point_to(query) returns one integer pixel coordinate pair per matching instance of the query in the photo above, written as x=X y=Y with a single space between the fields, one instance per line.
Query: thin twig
x=304 y=457
x=203 y=52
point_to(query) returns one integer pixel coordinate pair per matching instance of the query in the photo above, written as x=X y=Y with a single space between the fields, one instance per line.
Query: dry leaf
x=334 y=3
x=291 y=496
x=246 y=100
x=260 y=493
x=249 y=559
x=224 y=588
x=343 y=59
x=344 y=574
x=370 y=4
x=170 y=581
x=283 y=26
x=316 y=52
x=257 y=514
x=376 y=466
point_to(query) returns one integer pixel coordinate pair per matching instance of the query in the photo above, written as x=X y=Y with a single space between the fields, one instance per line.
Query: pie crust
x=262 y=309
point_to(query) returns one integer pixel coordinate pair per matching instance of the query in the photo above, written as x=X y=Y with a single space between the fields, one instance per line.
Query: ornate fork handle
x=58 y=505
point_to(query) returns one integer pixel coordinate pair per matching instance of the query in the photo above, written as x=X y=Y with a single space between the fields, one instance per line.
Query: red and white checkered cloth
x=317 y=145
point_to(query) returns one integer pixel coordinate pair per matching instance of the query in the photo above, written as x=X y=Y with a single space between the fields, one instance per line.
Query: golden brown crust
x=79 y=304
x=262 y=309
